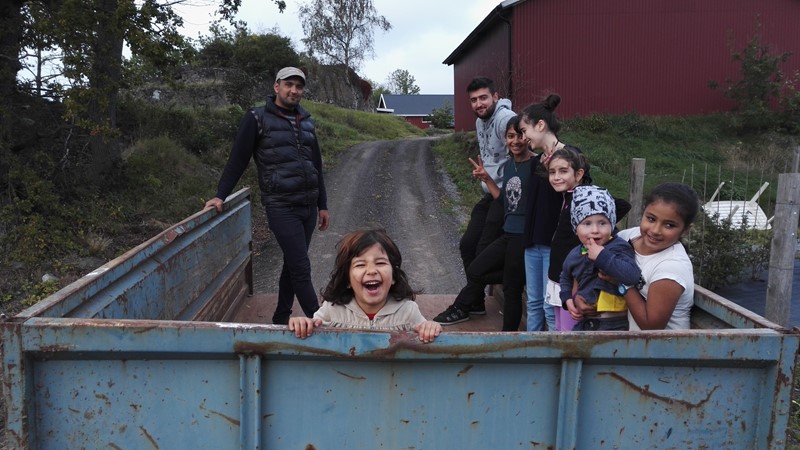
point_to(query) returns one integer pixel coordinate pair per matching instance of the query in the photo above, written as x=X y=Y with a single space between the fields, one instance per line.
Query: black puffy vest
x=283 y=156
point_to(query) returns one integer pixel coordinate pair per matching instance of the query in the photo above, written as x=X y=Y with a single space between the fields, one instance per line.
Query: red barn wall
x=652 y=57
x=487 y=58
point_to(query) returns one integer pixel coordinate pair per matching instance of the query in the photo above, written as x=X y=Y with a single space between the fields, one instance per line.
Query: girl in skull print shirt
x=502 y=261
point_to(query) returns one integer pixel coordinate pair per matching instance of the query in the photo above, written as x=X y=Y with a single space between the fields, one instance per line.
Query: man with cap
x=281 y=139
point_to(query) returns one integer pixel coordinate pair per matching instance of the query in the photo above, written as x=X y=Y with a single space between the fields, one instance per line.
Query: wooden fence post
x=796 y=163
x=636 y=192
x=783 y=248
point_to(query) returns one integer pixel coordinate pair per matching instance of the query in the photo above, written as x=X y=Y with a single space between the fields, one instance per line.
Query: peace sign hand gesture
x=479 y=171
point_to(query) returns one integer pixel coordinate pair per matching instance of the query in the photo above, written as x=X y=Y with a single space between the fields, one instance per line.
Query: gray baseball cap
x=288 y=72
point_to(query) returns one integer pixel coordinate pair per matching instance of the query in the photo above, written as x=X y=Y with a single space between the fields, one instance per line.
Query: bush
x=197 y=129
x=162 y=180
x=38 y=224
x=759 y=243
x=442 y=117
x=761 y=84
x=719 y=251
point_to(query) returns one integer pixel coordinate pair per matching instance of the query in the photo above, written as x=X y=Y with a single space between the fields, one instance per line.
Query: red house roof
x=651 y=57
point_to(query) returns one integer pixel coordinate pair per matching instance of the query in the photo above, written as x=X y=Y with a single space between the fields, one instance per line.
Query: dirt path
x=391 y=184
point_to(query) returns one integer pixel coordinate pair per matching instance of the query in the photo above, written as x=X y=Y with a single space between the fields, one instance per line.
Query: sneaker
x=452 y=315
x=478 y=309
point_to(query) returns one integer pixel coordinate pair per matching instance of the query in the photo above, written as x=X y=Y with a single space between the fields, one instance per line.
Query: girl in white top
x=664 y=296
x=367 y=272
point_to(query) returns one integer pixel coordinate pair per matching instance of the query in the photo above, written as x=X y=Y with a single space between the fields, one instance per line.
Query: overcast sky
x=423 y=34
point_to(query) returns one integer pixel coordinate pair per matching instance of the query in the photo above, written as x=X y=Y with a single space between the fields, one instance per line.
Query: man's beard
x=488 y=113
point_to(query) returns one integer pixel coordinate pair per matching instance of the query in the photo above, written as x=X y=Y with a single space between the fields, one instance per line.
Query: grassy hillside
x=68 y=226
x=700 y=151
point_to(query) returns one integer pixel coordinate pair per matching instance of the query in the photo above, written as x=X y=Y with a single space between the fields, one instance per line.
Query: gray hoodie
x=492 y=140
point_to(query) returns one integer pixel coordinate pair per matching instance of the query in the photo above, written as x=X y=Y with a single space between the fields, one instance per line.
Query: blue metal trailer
x=141 y=354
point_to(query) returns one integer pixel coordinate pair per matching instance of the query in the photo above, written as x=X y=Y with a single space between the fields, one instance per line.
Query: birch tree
x=341 y=31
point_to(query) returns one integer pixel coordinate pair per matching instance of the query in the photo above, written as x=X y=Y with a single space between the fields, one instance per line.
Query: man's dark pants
x=503 y=261
x=292 y=228
x=485 y=225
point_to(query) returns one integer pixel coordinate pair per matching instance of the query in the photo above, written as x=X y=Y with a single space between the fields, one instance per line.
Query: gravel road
x=391 y=184
x=395 y=185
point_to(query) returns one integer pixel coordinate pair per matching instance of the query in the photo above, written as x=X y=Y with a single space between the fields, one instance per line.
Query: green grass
x=339 y=129
x=453 y=152
x=700 y=151
x=169 y=170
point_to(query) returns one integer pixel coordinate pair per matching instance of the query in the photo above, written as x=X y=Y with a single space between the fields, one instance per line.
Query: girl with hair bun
x=541 y=126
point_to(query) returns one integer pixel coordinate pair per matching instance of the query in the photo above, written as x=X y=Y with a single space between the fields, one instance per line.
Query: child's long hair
x=350 y=246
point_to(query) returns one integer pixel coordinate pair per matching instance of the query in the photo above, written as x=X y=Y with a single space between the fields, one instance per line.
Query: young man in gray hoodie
x=486 y=220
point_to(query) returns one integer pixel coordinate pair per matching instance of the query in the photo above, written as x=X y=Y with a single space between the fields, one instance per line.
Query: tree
x=260 y=55
x=442 y=117
x=249 y=59
x=377 y=90
x=341 y=31
x=11 y=32
x=402 y=82
x=40 y=59
x=91 y=35
x=760 y=84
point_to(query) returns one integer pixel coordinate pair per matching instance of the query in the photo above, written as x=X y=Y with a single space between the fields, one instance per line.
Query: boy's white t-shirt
x=672 y=263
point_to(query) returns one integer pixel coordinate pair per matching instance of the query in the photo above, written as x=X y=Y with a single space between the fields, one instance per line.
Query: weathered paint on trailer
x=73 y=380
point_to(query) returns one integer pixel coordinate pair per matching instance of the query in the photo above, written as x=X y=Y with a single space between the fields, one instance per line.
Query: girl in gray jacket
x=368 y=290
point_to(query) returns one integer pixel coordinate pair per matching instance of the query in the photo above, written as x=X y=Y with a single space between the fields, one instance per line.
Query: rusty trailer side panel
x=138 y=354
x=198 y=269
x=164 y=384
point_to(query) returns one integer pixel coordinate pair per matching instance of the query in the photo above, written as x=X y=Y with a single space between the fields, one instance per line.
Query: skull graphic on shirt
x=513 y=193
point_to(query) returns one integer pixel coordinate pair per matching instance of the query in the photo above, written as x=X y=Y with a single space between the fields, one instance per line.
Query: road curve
x=396 y=185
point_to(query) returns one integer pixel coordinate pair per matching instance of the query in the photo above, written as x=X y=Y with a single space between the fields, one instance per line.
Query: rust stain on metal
x=170 y=235
x=350 y=376
x=470 y=395
x=645 y=390
x=22 y=441
x=149 y=438
x=265 y=348
x=144 y=329
x=228 y=418
x=465 y=370
x=408 y=341
x=310 y=447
